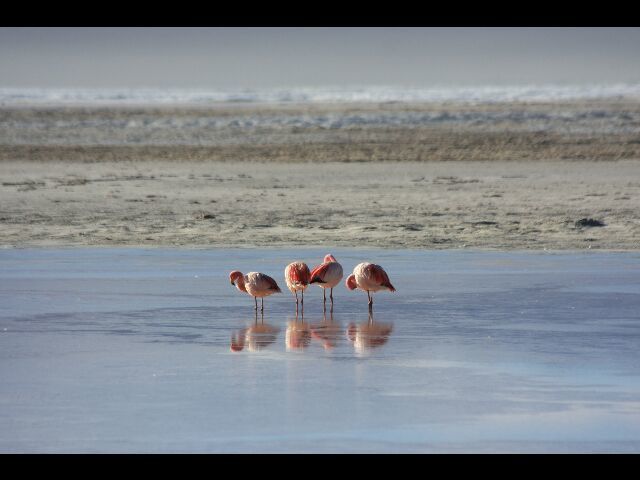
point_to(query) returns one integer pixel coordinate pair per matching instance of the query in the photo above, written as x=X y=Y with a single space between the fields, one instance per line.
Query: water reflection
x=254 y=338
x=364 y=336
x=328 y=332
x=298 y=334
x=368 y=335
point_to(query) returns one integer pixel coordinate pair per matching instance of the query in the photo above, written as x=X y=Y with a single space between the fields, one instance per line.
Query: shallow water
x=129 y=350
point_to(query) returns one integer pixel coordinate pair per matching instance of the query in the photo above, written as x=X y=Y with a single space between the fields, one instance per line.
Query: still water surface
x=152 y=350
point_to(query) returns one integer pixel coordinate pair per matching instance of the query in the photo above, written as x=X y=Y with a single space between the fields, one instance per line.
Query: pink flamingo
x=327 y=275
x=369 y=278
x=297 y=277
x=255 y=284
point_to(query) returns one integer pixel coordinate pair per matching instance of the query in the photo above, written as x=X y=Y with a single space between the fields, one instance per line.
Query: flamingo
x=369 y=277
x=255 y=284
x=327 y=275
x=297 y=276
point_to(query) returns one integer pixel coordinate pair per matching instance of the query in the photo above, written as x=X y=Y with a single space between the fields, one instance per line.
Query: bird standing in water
x=327 y=275
x=369 y=277
x=297 y=277
x=255 y=284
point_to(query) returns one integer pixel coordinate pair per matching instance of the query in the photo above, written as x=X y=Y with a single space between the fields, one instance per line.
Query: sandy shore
x=506 y=205
x=507 y=176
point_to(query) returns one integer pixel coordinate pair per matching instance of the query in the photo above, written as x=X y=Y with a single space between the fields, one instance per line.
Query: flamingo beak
x=233 y=283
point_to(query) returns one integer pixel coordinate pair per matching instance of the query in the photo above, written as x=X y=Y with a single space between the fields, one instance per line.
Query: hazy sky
x=282 y=57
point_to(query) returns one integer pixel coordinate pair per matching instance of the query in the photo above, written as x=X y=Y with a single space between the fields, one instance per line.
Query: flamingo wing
x=298 y=274
x=318 y=273
x=268 y=283
x=381 y=277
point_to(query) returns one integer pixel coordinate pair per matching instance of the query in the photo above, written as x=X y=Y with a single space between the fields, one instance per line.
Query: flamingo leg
x=262 y=305
x=324 y=299
x=256 y=307
x=331 y=297
x=296 y=292
x=370 y=301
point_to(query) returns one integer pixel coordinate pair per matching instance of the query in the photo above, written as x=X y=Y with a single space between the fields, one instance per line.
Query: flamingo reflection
x=254 y=338
x=368 y=335
x=298 y=334
x=327 y=332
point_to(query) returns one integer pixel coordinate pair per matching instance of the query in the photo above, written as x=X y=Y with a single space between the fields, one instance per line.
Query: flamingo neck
x=240 y=284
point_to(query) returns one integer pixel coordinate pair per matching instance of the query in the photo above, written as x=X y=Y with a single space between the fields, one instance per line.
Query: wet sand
x=504 y=205
x=505 y=176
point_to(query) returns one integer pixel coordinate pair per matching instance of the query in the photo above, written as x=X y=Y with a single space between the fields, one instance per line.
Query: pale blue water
x=128 y=350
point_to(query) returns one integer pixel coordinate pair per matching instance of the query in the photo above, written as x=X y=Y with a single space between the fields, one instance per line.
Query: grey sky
x=282 y=57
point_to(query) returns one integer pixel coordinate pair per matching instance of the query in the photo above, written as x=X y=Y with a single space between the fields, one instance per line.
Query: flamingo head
x=329 y=258
x=234 y=276
x=351 y=282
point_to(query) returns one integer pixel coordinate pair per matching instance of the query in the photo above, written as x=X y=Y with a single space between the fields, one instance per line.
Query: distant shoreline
x=586 y=131
x=336 y=105
x=372 y=94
